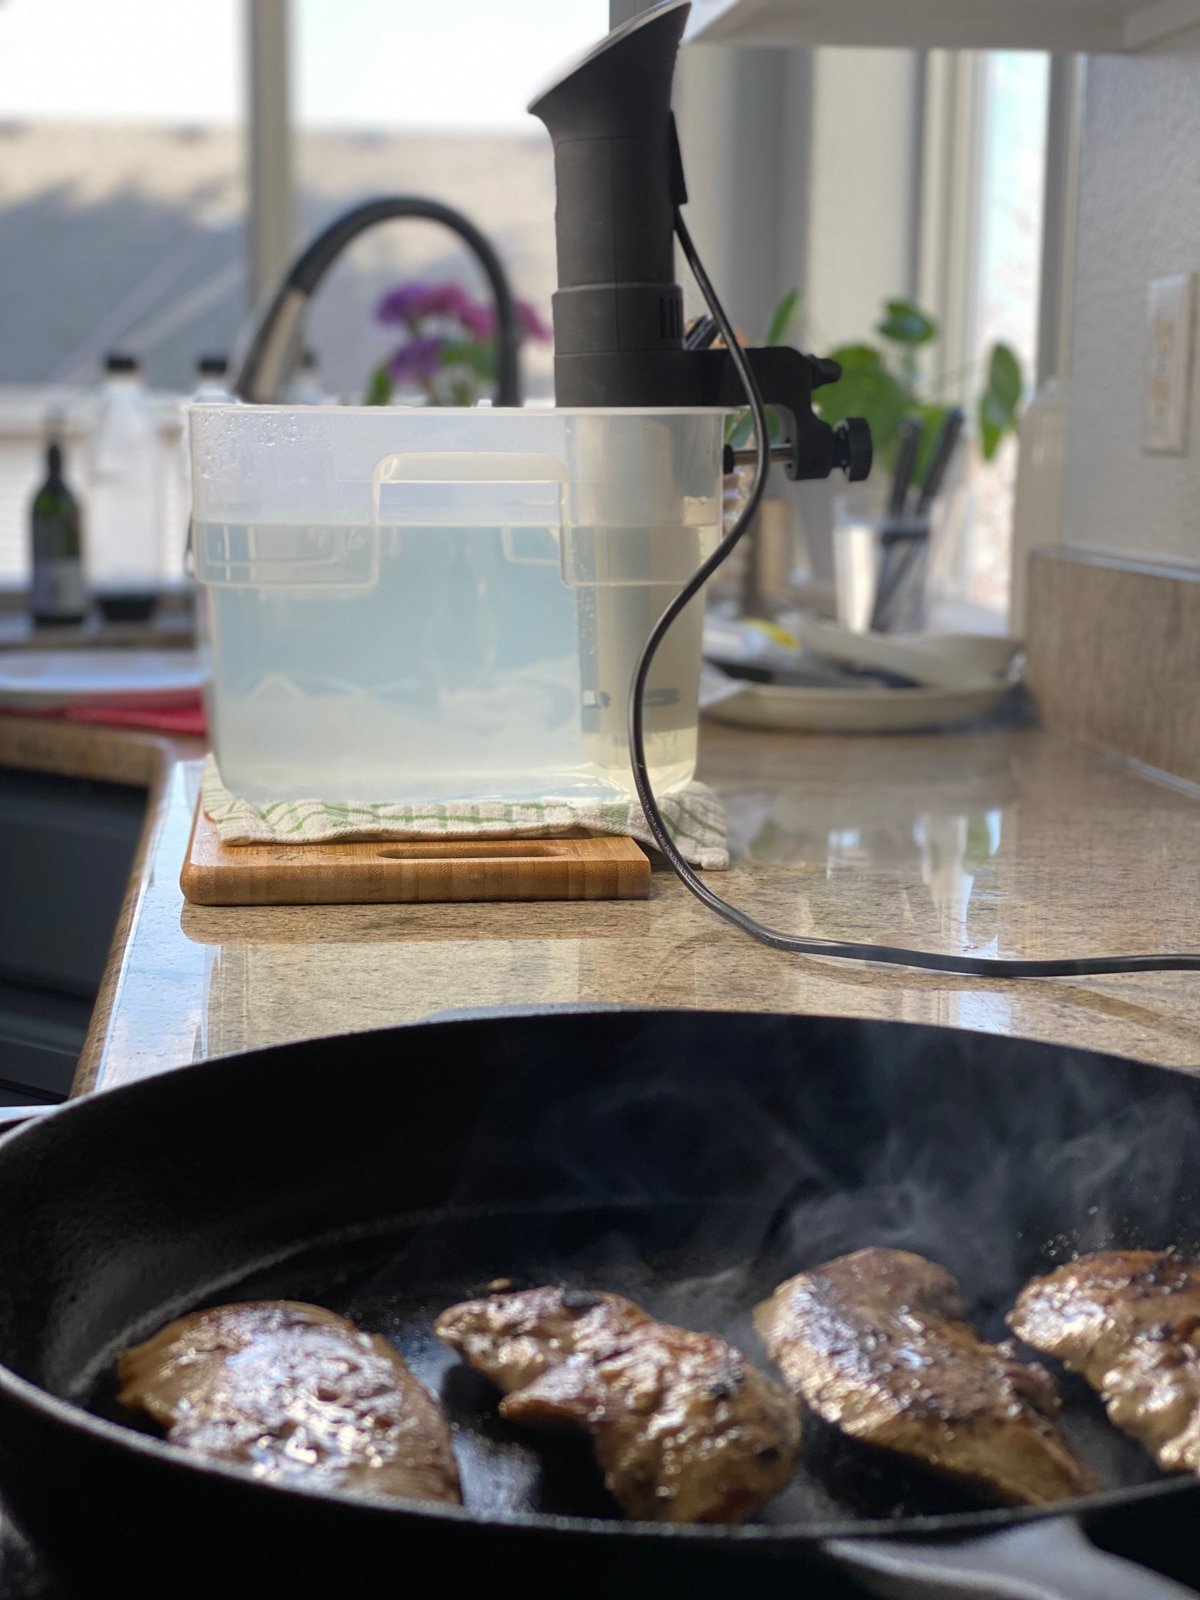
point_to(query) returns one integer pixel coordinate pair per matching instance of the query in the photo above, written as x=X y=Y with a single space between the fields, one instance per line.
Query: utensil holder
x=880 y=566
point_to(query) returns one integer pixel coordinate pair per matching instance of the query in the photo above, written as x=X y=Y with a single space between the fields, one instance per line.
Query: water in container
x=431 y=605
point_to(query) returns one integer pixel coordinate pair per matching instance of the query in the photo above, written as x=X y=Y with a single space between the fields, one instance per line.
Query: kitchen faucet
x=264 y=367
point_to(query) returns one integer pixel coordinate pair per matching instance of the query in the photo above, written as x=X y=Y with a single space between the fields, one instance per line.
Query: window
x=123 y=188
x=1005 y=298
x=124 y=199
x=403 y=97
x=986 y=128
x=122 y=207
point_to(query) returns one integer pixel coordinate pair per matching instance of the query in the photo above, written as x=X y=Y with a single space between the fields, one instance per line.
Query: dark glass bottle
x=58 y=595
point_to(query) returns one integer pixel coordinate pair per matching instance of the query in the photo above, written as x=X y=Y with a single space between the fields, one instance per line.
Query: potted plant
x=883 y=384
x=447 y=348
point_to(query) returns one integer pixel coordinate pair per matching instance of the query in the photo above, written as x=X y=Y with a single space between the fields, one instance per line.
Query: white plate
x=866 y=710
x=934 y=660
x=47 y=680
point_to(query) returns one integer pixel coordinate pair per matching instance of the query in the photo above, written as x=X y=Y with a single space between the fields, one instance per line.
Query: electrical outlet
x=1168 y=364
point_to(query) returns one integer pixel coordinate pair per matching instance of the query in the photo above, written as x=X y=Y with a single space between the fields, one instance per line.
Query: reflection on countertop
x=1002 y=841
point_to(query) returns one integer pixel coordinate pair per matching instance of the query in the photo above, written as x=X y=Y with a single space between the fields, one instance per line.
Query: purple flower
x=531 y=323
x=401 y=303
x=419 y=358
x=409 y=302
x=478 y=320
x=443 y=300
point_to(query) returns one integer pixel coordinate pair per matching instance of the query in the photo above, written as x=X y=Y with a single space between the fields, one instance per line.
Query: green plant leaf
x=379 y=387
x=931 y=414
x=1005 y=378
x=857 y=358
x=999 y=404
x=478 y=354
x=906 y=324
x=866 y=389
x=991 y=430
x=783 y=317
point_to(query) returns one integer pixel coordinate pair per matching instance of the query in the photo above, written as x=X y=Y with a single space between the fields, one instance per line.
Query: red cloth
x=187 y=718
x=156 y=719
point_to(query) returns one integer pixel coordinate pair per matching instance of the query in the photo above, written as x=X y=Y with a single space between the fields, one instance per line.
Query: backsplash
x=1114 y=656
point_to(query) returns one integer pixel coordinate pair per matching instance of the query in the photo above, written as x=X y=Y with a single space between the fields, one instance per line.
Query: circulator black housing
x=618 y=186
x=618 y=311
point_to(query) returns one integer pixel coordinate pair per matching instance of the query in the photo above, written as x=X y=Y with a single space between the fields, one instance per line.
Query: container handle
x=445 y=469
x=469 y=466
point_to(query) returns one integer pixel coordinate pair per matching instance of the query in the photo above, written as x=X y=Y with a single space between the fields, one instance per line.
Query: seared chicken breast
x=295 y=1393
x=876 y=1345
x=1128 y=1321
x=683 y=1427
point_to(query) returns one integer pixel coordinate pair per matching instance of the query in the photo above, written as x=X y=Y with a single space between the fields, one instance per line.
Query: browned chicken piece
x=684 y=1428
x=295 y=1393
x=1128 y=1321
x=876 y=1344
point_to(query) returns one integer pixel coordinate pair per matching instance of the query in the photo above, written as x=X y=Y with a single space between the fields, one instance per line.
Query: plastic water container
x=437 y=604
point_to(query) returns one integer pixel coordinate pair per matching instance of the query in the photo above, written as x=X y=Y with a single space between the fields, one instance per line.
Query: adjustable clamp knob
x=852 y=448
x=824 y=370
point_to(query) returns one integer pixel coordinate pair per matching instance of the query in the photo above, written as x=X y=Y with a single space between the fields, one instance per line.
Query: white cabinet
x=1085 y=25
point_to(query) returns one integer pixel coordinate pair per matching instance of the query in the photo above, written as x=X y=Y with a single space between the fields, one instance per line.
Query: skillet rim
x=67 y=1415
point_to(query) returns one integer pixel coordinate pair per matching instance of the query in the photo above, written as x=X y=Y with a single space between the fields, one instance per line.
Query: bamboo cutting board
x=379 y=872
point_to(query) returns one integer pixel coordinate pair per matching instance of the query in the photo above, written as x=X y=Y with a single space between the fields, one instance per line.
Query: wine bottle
x=58 y=595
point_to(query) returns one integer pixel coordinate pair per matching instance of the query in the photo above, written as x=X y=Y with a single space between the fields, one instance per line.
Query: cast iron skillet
x=688 y=1159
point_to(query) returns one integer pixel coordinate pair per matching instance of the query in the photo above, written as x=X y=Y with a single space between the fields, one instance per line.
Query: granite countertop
x=999 y=841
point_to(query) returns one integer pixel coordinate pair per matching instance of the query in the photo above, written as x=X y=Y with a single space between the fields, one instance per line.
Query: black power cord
x=839 y=949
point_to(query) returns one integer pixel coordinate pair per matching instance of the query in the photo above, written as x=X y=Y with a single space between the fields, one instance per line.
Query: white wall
x=1139 y=217
x=803 y=169
x=861 y=246
x=742 y=117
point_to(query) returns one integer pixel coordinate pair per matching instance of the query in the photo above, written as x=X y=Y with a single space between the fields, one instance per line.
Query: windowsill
x=965 y=616
x=172 y=625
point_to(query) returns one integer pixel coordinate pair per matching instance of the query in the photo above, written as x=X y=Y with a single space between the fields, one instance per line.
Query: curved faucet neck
x=262 y=370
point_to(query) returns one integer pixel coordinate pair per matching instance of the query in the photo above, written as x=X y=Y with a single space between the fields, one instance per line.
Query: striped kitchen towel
x=694 y=815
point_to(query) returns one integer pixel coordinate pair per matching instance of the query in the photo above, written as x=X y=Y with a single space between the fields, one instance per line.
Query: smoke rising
x=704 y=1160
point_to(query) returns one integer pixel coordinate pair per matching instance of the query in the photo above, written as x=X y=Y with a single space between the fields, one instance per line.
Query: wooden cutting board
x=378 y=872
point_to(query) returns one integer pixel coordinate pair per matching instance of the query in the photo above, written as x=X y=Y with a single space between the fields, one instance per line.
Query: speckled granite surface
x=997 y=841
x=1004 y=841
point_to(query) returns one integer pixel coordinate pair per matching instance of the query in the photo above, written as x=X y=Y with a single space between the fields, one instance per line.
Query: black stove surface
x=23 y=1576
